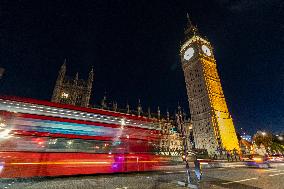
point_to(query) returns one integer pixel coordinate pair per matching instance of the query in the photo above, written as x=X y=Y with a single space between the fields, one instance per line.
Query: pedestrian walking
x=197 y=169
x=228 y=155
x=235 y=154
x=232 y=156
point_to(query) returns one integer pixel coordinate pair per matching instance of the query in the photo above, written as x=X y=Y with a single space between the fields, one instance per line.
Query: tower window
x=65 y=95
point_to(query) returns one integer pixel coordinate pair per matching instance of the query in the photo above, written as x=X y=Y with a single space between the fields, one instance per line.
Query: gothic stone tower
x=212 y=123
x=73 y=91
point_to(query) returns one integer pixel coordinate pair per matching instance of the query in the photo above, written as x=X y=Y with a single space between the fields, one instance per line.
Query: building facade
x=176 y=135
x=171 y=141
x=72 y=91
x=212 y=123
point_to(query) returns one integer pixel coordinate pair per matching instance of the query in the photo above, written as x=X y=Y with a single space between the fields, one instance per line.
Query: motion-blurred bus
x=40 y=138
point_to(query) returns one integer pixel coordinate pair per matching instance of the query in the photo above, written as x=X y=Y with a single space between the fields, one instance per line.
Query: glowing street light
x=122 y=123
x=2 y=125
x=263 y=133
x=5 y=133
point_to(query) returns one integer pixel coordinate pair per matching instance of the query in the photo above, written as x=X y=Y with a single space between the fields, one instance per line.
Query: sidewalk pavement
x=205 y=165
x=214 y=164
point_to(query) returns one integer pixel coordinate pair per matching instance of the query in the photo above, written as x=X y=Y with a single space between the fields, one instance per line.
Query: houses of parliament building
x=75 y=91
x=211 y=121
x=72 y=91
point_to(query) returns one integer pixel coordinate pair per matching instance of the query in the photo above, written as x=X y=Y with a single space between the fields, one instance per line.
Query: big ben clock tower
x=213 y=126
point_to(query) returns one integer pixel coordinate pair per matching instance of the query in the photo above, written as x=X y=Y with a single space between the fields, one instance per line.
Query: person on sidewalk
x=197 y=169
x=232 y=155
x=228 y=155
x=235 y=154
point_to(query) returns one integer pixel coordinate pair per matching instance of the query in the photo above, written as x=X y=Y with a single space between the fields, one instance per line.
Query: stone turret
x=87 y=97
x=59 y=82
x=74 y=91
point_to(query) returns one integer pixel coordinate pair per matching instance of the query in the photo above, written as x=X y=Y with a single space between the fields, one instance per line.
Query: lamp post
x=185 y=151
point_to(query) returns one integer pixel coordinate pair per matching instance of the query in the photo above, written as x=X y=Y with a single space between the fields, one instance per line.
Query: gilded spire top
x=191 y=30
x=188 y=20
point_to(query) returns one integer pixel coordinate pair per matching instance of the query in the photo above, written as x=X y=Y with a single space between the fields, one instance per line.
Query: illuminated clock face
x=206 y=50
x=188 y=53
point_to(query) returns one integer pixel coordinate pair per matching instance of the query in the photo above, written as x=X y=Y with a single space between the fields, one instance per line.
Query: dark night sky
x=134 y=49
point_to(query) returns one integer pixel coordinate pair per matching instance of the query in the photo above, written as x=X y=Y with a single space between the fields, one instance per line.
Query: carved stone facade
x=171 y=141
x=72 y=91
x=212 y=123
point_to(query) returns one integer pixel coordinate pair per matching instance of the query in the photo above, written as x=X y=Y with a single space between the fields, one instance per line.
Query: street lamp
x=263 y=133
x=122 y=123
x=5 y=133
x=185 y=151
x=2 y=125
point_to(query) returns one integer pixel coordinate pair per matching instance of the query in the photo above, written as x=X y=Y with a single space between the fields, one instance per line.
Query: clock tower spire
x=213 y=126
x=191 y=30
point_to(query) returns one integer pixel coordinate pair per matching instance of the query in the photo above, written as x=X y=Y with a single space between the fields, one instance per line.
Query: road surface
x=231 y=177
